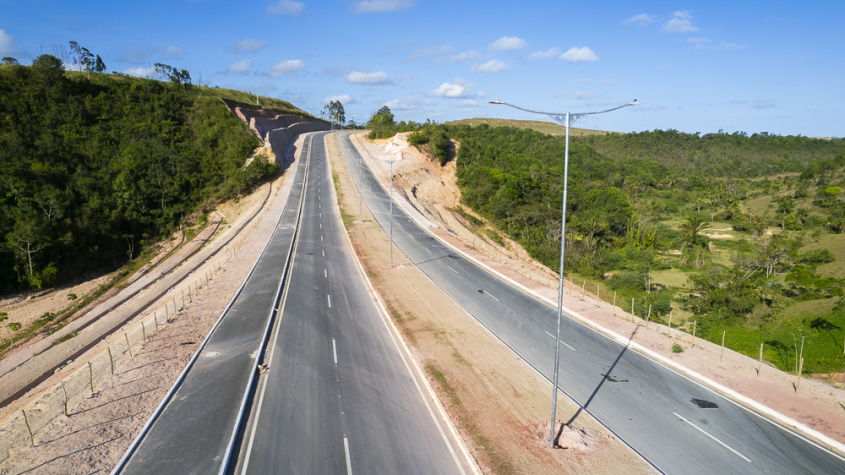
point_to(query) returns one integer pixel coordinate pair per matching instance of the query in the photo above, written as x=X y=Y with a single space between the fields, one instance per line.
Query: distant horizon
x=727 y=66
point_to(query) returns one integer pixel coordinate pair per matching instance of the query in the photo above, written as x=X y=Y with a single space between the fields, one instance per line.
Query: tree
x=99 y=65
x=334 y=110
x=176 y=76
x=10 y=61
x=695 y=243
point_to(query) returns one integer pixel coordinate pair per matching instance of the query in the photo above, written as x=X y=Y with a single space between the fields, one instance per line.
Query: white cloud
x=378 y=77
x=508 y=43
x=7 y=44
x=492 y=66
x=249 y=45
x=290 y=66
x=241 y=67
x=174 y=51
x=450 y=90
x=466 y=56
x=141 y=72
x=405 y=103
x=433 y=51
x=584 y=95
x=286 y=7
x=579 y=55
x=468 y=103
x=374 y=6
x=643 y=19
x=681 y=22
x=343 y=99
x=549 y=53
x=700 y=43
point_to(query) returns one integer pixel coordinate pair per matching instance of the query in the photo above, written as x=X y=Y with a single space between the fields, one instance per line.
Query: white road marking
x=708 y=435
x=562 y=342
x=325 y=273
x=429 y=250
x=321 y=225
x=330 y=300
x=334 y=350
x=453 y=270
x=493 y=296
x=324 y=253
x=348 y=460
x=321 y=237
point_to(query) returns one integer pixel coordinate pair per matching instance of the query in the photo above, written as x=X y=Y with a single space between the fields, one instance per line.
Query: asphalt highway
x=673 y=422
x=340 y=395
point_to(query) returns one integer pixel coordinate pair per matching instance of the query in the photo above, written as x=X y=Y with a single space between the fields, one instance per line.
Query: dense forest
x=737 y=234
x=93 y=167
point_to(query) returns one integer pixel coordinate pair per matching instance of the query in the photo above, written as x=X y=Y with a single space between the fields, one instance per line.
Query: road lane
x=646 y=404
x=340 y=396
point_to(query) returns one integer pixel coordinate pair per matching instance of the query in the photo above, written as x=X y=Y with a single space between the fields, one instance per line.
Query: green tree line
x=93 y=167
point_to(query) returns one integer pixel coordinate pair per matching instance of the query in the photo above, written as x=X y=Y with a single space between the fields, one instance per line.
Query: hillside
x=93 y=168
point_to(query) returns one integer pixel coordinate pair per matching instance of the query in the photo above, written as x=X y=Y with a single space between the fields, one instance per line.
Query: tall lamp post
x=565 y=119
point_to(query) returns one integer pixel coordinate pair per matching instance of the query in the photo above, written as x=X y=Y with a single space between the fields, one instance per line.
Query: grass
x=65 y=338
x=835 y=243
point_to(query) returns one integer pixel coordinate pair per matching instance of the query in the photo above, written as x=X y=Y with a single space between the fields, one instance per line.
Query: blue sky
x=697 y=66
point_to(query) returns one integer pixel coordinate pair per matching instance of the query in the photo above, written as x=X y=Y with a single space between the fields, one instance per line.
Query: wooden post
x=598 y=294
x=760 y=365
x=91 y=376
x=127 y=344
x=723 y=345
x=800 y=370
x=144 y=330
x=693 y=332
x=614 y=303
x=632 y=310
x=111 y=360
x=26 y=421
x=584 y=290
x=155 y=319
x=66 y=398
x=670 y=323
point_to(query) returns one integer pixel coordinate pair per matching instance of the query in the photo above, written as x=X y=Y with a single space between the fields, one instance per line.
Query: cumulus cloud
x=492 y=66
x=286 y=7
x=450 y=90
x=378 y=77
x=375 y=6
x=643 y=19
x=549 y=53
x=290 y=66
x=174 y=51
x=579 y=55
x=433 y=51
x=508 y=43
x=249 y=45
x=405 y=103
x=681 y=22
x=241 y=67
x=7 y=44
x=141 y=72
x=466 y=56
x=343 y=99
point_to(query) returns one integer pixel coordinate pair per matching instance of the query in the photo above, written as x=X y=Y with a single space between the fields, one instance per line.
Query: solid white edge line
x=407 y=356
x=348 y=458
x=759 y=409
x=711 y=436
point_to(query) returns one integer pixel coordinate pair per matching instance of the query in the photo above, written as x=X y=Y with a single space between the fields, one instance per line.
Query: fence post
x=670 y=323
x=722 y=354
x=65 y=391
x=614 y=303
x=127 y=344
x=692 y=342
x=583 y=290
x=598 y=294
x=760 y=366
x=111 y=360
x=632 y=310
x=91 y=376
x=144 y=330
x=800 y=370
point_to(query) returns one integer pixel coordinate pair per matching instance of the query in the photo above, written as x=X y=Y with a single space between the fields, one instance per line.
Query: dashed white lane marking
x=330 y=300
x=324 y=253
x=348 y=460
x=562 y=342
x=334 y=350
x=429 y=250
x=325 y=273
x=708 y=435
x=492 y=296
x=453 y=270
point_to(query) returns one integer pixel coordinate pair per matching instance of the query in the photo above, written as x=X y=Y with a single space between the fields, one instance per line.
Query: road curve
x=677 y=424
x=340 y=395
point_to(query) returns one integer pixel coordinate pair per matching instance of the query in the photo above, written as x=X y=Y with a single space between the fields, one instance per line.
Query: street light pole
x=565 y=119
